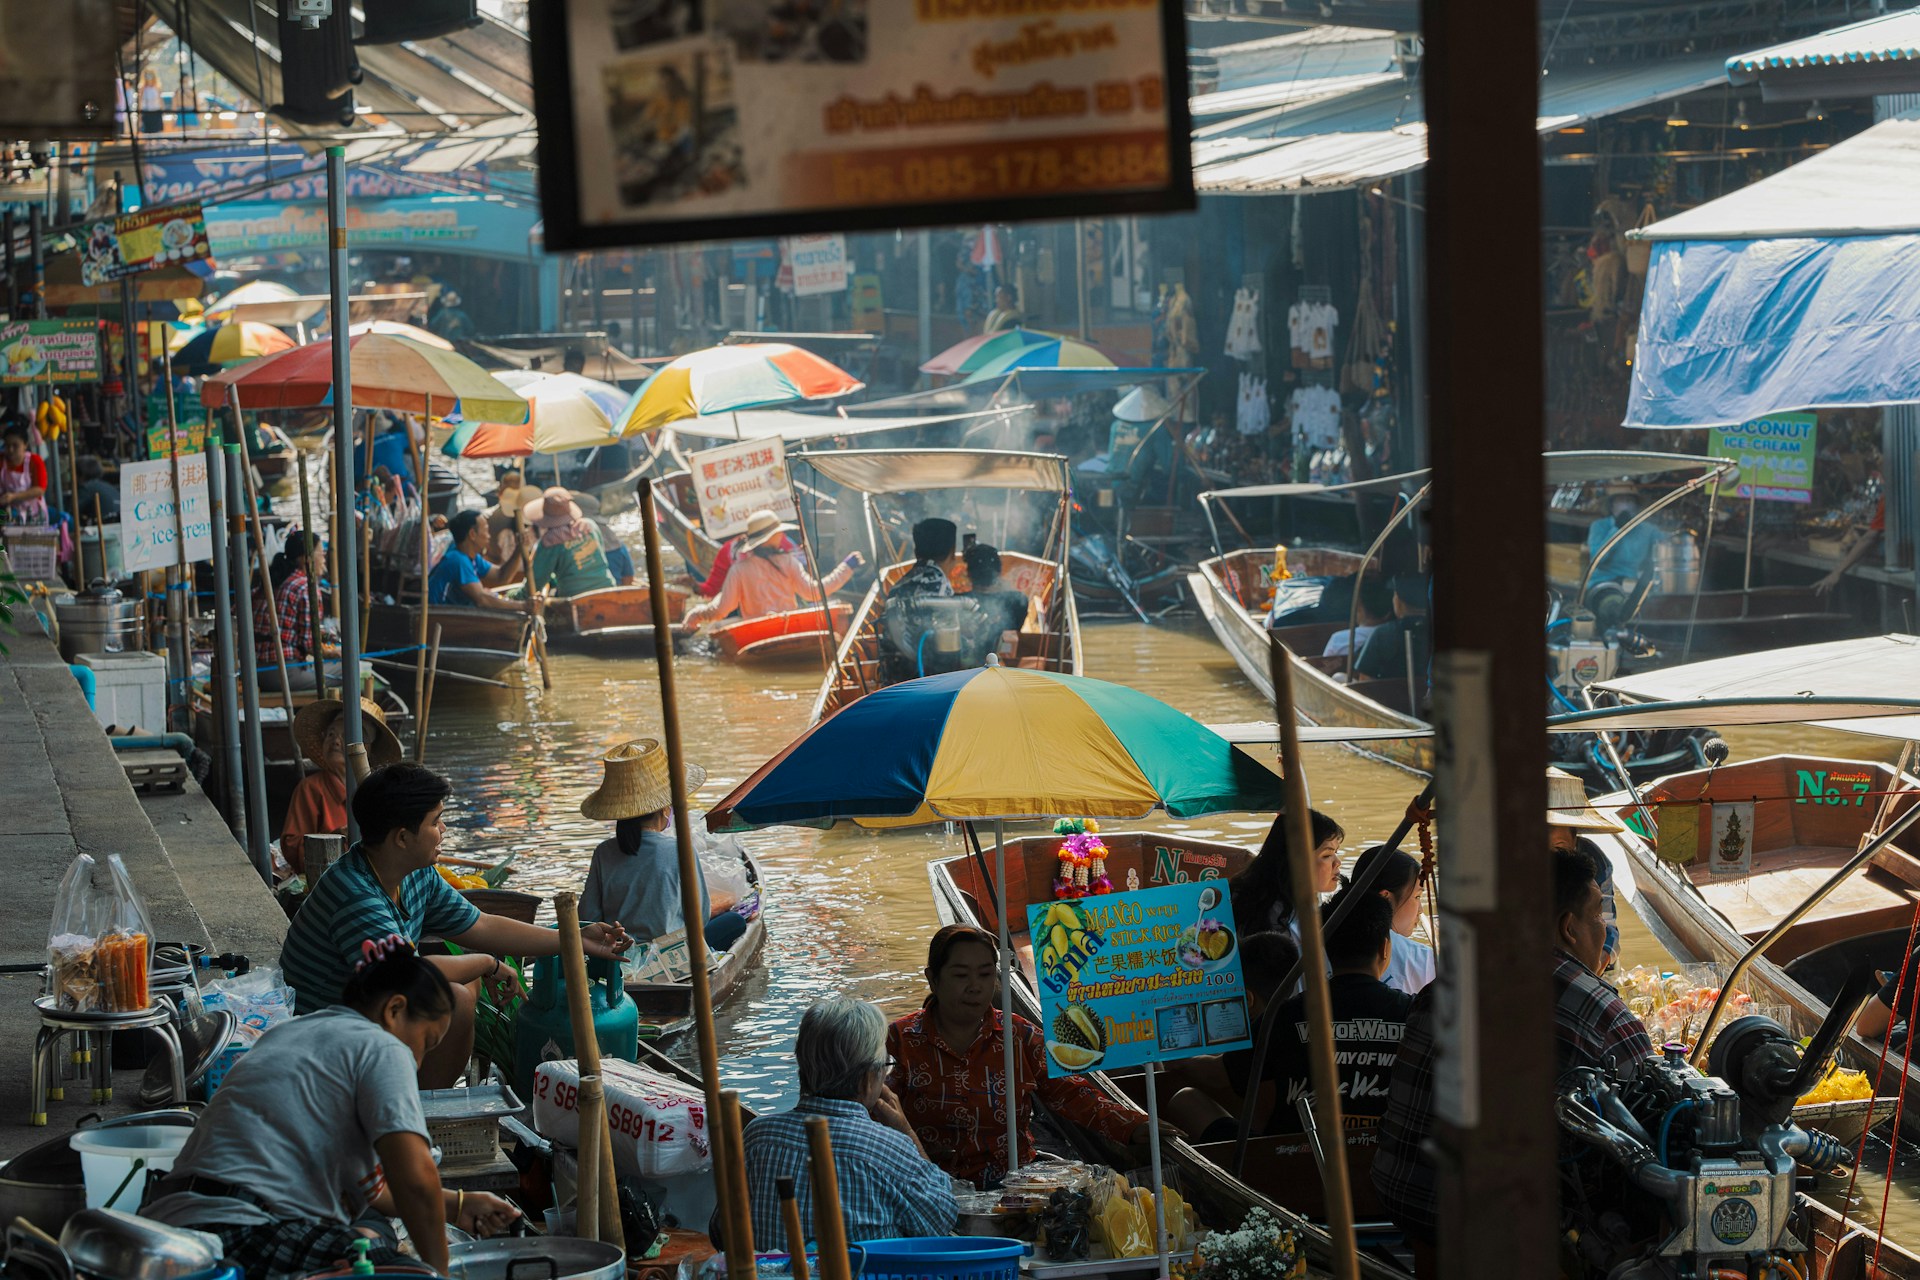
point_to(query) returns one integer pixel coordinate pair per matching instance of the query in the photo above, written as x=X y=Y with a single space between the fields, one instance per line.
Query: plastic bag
x=259 y=999
x=723 y=866
x=659 y=1124
x=99 y=944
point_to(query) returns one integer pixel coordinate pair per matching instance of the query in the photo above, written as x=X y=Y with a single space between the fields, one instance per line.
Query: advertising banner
x=1149 y=976
x=136 y=242
x=819 y=264
x=737 y=480
x=1776 y=456
x=43 y=351
x=150 y=533
x=709 y=119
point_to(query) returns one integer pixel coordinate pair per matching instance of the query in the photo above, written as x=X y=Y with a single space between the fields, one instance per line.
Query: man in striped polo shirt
x=387 y=884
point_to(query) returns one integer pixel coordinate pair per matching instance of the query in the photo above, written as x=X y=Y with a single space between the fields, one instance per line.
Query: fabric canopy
x=1404 y=478
x=1801 y=291
x=791 y=425
x=1572 y=466
x=916 y=470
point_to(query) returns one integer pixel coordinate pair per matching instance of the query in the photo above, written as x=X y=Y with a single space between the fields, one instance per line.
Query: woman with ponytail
x=1411 y=967
x=289 y=595
x=319 y=1125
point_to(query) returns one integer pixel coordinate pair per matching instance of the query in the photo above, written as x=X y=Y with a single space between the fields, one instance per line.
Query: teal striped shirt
x=347 y=908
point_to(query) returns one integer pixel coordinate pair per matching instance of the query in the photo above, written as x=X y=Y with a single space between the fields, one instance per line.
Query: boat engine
x=1670 y=1174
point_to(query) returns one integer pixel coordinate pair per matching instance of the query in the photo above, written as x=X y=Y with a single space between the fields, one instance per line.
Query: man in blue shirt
x=465 y=575
x=1623 y=568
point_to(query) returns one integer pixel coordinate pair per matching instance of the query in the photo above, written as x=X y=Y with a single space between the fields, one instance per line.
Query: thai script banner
x=46 y=351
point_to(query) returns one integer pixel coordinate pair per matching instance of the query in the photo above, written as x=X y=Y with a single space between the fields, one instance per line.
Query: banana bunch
x=1063 y=934
x=52 y=417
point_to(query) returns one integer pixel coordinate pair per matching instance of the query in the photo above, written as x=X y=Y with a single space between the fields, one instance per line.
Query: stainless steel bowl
x=536 y=1258
x=105 y=1242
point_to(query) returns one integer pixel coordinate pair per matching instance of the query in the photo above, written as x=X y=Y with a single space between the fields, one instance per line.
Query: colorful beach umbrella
x=395 y=329
x=266 y=302
x=992 y=353
x=387 y=373
x=567 y=414
x=999 y=742
x=751 y=375
x=233 y=343
x=611 y=399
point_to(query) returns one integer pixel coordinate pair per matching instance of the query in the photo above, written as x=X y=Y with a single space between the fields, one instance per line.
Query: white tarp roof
x=793 y=426
x=915 y=470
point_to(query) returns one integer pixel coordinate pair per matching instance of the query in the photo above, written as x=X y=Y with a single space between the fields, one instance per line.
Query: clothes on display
x=1315 y=414
x=1183 y=342
x=1310 y=332
x=1243 y=329
x=1330 y=466
x=1253 y=415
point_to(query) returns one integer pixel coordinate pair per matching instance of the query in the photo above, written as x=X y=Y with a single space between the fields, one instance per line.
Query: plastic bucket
x=114 y=1163
x=940 y=1258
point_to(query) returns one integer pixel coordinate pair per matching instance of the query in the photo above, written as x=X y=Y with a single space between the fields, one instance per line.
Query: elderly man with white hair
x=888 y=1187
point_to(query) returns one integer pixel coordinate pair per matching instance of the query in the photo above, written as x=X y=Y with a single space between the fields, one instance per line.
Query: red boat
x=799 y=635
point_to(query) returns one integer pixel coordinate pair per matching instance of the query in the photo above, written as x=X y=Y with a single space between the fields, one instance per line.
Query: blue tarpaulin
x=1801 y=291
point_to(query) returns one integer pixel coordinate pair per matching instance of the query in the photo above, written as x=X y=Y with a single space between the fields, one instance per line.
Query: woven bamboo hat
x=637 y=782
x=311 y=722
x=1567 y=805
x=763 y=527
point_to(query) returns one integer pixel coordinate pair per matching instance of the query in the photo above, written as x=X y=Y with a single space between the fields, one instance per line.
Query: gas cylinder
x=543 y=1031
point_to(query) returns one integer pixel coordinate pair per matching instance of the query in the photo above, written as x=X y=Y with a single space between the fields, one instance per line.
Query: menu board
x=737 y=480
x=1126 y=978
x=707 y=119
x=136 y=242
x=1776 y=456
x=152 y=531
x=43 y=351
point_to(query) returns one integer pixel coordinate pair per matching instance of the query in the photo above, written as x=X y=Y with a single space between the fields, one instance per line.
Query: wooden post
x=321 y=852
x=426 y=554
x=420 y=712
x=796 y=1233
x=690 y=907
x=829 y=1224
x=740 y=1242
x=590 y=1110
x=266 y=576
x=1323 y=1071
x=586 y=1049
x=313 y=579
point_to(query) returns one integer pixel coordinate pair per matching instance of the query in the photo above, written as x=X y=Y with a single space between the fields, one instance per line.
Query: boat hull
x=613 y=620
x=796 y=636
x=488 y=643
x=1735 y=622
x=669 y=1005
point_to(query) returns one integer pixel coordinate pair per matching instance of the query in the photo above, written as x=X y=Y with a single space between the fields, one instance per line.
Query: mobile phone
x=967 y=541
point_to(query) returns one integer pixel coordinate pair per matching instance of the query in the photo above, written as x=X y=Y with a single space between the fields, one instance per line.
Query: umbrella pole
x=347 y=567
x=740 y=1264
x=1323 y=1071
x=426 y=603
x=266 y=576
x=1006 y=992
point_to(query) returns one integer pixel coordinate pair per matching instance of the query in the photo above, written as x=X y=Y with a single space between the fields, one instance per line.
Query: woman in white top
x=1411 y=965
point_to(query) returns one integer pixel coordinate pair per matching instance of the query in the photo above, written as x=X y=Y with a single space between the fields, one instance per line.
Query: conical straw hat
x=311 y=722
x=1567 y=805
x=637 y=782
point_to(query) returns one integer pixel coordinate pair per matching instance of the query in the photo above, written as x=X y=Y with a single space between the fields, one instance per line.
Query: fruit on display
x=1062 y=935
x=459 y=881
x=1840 y=1085
x=52 y=417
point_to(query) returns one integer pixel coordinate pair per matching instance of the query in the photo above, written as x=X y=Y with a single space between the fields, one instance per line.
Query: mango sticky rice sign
x=134 y=242
x=1775 y=453
x=43 y=351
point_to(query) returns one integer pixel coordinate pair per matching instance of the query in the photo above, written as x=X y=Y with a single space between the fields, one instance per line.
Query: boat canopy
x=1412 y=479
x=873 y=471
x=1071 y=381
x=1573 y=466
x=792 y=426
x=1862 y=669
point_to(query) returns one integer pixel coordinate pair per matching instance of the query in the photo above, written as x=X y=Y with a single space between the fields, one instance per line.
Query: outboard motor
x=1694 y=1175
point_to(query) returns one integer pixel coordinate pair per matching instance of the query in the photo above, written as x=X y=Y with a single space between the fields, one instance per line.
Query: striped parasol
x=220 y=345
x=751 y=375
x=569 y=412
x=995 y=353
x=387 y=373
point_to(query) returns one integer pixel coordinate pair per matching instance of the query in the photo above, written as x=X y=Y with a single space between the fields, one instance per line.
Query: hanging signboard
x=692 y=120
x=819 y=264
x=1678 y=840
x=150 y=531
x=188 y=437
x=737 y=480
x=136 y=242
x=1732 y=840
x=43 y=351
x=1149 y=976
x=1776 y=456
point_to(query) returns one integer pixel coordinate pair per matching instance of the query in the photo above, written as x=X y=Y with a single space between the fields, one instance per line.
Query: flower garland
x=1083 y=859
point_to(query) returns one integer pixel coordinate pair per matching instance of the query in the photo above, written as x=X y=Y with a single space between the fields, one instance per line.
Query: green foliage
x=12 y=595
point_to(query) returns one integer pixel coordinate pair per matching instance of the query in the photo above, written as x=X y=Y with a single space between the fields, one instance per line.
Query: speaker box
x=391 y=21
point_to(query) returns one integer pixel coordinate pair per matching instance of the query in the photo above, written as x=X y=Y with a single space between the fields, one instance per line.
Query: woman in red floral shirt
x=949 y=1068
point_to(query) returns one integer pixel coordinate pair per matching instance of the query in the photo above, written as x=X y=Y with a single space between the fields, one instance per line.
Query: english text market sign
x=1776 y=456
x=458 y=224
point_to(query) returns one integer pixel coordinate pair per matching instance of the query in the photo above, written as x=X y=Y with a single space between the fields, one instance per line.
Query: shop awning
x=1878 y=56
x=793 y=427
x=1298 y=67
x=1379 y=131
x=1800 y=291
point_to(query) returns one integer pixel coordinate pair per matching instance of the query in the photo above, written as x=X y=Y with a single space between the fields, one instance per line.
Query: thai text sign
x=733 y=118
x=1775 y=454
x=151 y=529
x=46 y=351
x=1149 y=976
x=819 y=264
x=736 y=480
x=136 y=242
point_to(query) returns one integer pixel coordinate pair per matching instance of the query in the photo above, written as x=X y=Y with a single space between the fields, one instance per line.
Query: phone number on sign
x=1013 y=170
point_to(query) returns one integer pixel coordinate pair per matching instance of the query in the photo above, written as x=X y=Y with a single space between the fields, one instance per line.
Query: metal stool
x=92 y=1035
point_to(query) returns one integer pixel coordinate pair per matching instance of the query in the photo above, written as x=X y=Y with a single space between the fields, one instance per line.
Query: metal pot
x=99 y=620
x=109 y=1245
x=1677 y=557
x=44 y=1184
x=536 y=1258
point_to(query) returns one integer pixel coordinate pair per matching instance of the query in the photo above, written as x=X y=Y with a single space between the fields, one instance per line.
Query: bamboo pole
x=420 y=712
x=796 y=1233
x=740 y=1242
x=829 y=1226
x=313 y=579
x=1322 y=1069
x=426 y=602
x=266 y=577
x=739 y=1267
x=590 y=1108
x=594 y=1134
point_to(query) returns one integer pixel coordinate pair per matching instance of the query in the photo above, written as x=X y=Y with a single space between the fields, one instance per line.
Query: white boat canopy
x=792 y=426
x=873 y=471
x=1571 y=466
x=1863 y=669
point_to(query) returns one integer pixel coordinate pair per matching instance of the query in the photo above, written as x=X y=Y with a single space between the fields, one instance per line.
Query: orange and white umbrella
x=752 y=375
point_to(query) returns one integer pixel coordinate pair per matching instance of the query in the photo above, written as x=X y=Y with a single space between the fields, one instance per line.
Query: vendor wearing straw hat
x=765 y=579
x=319 y=805
x=568 y=555
x=1570 y=820
x=634 y=878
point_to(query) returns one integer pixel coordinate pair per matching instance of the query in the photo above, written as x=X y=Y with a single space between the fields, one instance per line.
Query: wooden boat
x=476 y=642
x=666 y=1001
x=613 y=619
x=1050 y=638
x=1281 y=1176
x=1809 y=815
x=1230 y=588
x=680 y=523
x=799 y=635
x=1731 y=622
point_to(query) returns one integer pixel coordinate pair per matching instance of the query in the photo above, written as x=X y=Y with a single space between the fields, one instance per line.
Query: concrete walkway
x=63 y=792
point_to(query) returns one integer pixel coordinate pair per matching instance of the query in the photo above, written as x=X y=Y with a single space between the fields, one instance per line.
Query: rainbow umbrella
x=395 y=329
x=387 y=373
x=236 y=342
x=750 y=375
x=568 y=413
x=992 y=353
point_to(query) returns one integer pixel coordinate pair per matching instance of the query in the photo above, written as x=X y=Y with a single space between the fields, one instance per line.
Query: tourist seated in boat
x=1877 y=1019
x=319 y=804
x=1411 y=967
x=764 y=579
x=634 y=878
x=292 y=597
x=912 y=615
x=317 y=1132
x=1611 y=584
x=1592 y=1025
x=568 y=554
x=1205 y=1093
x=1570 y=820
x=1384 y=655
x=1002 y=609
x=1262 y=894
x=465 y=576
x=888 y=1186
x=387 y=883
x=1373 y=610
x=949 y=1067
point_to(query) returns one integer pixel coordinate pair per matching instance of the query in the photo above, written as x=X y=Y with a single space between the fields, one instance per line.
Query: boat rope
x=1913 y=999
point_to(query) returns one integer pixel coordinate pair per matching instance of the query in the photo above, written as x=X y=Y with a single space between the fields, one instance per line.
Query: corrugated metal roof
x=1285 y=93
x=1891 y=37
x=1315 y=54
